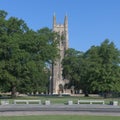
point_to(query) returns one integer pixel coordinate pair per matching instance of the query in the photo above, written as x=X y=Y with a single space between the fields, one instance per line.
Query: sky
x=90 y=22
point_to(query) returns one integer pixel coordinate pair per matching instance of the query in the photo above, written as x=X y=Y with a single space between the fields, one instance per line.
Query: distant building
x=57 y=80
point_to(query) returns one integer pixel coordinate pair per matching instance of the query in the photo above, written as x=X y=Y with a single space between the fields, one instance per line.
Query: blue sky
x=90 y=21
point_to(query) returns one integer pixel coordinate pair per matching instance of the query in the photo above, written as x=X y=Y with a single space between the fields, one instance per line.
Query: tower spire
x=66 y=21
x=54 y=20
x=66 y=32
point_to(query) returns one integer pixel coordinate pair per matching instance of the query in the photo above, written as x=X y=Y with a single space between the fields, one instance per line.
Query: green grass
x=64 y=99
x=60 y=117
x=54 y=99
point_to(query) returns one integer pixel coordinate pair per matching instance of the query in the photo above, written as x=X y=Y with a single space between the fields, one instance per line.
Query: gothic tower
x=57 y=80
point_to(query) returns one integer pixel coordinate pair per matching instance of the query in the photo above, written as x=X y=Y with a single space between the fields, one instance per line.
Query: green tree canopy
x=104 y=67
x=72 y=67
x=24 y=56
x=96 y=70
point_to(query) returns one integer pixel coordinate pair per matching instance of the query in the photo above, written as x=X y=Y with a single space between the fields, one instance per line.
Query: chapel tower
x=57 y=80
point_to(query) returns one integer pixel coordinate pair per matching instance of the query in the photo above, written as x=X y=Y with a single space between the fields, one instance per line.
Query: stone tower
x=57 y=80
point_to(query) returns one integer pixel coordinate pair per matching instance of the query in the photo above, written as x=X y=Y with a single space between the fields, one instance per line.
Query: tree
x=11 y=32
x=96 y=70
x=25 y=56
x=103 y=74
x=43 y=50
x=75 y=69
x=89 y=68
x=72 y=67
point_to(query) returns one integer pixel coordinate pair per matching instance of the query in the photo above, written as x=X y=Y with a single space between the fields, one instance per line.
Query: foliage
x=96 y=70
x=104 y=67
x=25 y=56
x=72 y=67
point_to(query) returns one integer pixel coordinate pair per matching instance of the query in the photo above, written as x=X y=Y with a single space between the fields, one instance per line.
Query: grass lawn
x=60 y=117
x=64 y=99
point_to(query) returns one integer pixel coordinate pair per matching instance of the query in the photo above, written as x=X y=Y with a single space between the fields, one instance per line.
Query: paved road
x=81 y=109
x=75 y=107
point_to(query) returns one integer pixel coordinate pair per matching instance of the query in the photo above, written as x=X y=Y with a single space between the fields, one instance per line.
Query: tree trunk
x=13 y=92
x=86 y=93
